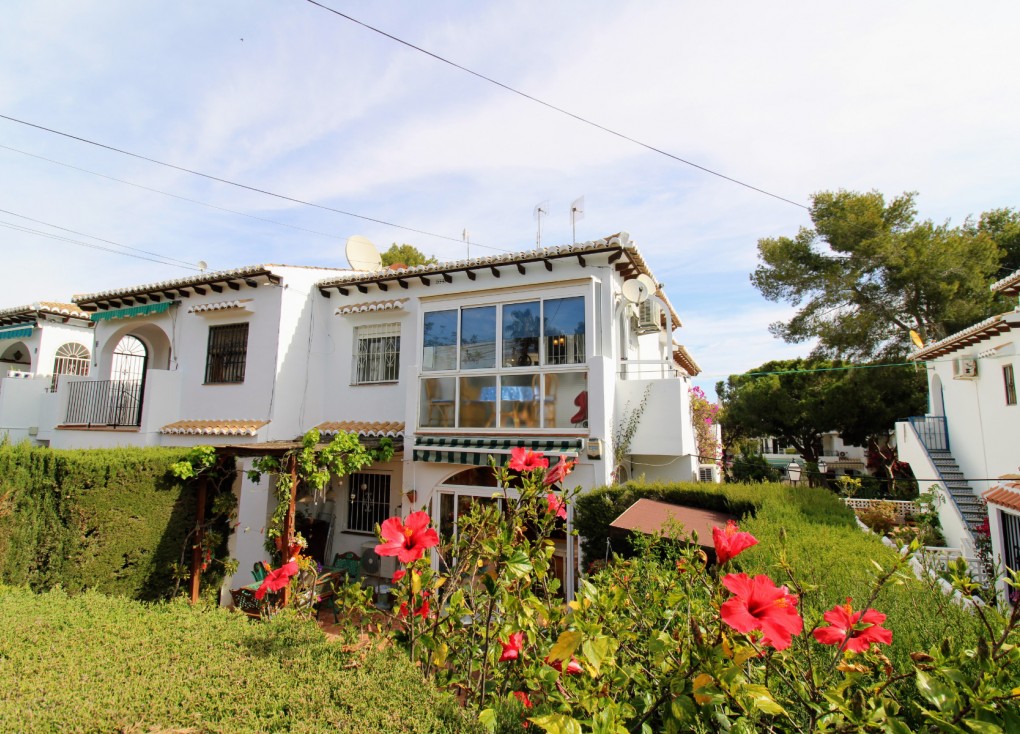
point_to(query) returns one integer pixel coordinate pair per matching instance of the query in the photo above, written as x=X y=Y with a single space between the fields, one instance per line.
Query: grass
x=94 y=663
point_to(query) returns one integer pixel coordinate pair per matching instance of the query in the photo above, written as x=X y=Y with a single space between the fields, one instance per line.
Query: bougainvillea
x=703 y=416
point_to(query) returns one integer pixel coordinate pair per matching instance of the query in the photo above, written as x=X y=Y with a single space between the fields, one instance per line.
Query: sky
x=284 y=96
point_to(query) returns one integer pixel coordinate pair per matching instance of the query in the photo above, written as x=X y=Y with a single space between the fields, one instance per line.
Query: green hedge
x=92 y=663
x=813 y=532
x=106 y=519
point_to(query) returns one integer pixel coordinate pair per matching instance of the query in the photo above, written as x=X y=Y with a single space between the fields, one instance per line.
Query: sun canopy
x=130 y=311
x=21 y=332
x=475 y=451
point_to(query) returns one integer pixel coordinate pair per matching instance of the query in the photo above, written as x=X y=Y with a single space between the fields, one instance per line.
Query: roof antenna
x=467 y=240
x=540 y=209
x=576 y=212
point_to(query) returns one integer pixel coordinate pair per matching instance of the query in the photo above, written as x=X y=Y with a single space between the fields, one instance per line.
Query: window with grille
x=227 y=354
x=71 y=359
x=369 y=501
x=1010 y=381
x=377 y=357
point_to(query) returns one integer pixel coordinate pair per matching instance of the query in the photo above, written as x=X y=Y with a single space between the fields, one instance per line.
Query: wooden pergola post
x=288 y=521
x=196 y=547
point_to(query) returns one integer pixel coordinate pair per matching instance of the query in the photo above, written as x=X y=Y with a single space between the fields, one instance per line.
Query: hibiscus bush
x=661 y=642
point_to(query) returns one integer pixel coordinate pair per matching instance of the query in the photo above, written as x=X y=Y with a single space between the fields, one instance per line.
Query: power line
x=553 y=107
x=257 y=190
x=20 y=228
x=172 y=260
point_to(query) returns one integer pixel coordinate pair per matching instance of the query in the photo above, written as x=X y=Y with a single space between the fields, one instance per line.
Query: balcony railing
x=104 y=403
x=932 y=431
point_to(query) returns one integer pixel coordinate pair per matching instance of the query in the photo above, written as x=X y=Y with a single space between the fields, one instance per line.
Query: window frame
x=393 y=352
x=1009 y=382
x=223 y=369
x=381 y=508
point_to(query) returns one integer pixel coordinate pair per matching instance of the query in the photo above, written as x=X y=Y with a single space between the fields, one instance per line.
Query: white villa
x=969 y=438
x=454 y=361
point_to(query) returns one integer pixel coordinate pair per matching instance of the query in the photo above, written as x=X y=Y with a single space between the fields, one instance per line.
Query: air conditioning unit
x=649 y=317
x=965 y=369
x=706 y=474
x=374 y=566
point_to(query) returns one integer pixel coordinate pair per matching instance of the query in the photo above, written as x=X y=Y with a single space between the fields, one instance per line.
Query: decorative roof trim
x=214 y=428
x=978 y=332
x=242 y=304
x=215 y=281
x=369 y=429
x=397 y=303
x=30 y=314
x=1008 y=286
x=683 y=358
x=616 y=246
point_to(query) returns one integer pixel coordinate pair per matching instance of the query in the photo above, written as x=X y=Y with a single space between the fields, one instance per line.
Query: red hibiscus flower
x=407 y=540
x=277 y=579
x=556 y=505
x=401 y=573
x=573 y=667
x=522 y=459
x=731 y=542
x=422 y=611
x=759 y=605
x=858 y=629
x=559 y=472
x=512 y=648
x=523 y=698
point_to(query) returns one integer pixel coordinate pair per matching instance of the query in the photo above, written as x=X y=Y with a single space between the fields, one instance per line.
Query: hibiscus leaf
x=517 y=565
x=982 y=727
x=488 y=719
x=761 y=699
x=557 y=724
x=565 y=645
x=595 y=651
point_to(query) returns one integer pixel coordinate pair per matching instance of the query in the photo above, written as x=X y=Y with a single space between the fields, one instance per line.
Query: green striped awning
x=475 y=451
x=20 y=332
x=130 y=311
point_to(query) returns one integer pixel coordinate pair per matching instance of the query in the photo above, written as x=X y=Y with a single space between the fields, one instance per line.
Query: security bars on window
x=377 y=358
x=369 y=501
x=227 y=354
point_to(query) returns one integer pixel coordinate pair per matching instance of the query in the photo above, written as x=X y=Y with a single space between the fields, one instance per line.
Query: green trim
x=132 y=311
x=21 y=332
x=476 y=451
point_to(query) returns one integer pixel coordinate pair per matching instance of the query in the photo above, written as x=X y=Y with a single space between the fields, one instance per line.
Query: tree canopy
x=868 y=272
x=408 y=255
x=798 y=400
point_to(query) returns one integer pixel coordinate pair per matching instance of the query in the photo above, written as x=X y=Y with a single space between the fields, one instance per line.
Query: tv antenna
x=362 y=255
x=576 y=212
x=467 y=241
x=540 y=209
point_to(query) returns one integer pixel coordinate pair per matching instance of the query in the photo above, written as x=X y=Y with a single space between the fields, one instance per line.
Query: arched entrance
x=16 y=357
x=127 y=381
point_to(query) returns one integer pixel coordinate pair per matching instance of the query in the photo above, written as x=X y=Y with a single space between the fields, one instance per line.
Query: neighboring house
x=841 y=458
x=969 y=437
x=38 y=344
x=456 y=362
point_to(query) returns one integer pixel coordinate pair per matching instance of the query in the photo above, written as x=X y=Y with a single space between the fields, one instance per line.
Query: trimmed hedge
x=810 y=530
x=112 y=520
x=92 y=663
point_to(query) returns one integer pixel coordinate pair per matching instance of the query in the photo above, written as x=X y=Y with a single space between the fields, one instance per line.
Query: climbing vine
x=624 y=432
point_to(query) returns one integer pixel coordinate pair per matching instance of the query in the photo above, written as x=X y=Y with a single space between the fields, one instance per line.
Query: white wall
x=19 y=405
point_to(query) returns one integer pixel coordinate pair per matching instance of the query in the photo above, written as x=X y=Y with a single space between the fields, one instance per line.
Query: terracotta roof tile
x=214 y=428
x=972 y=335
x=242 y=303
x=373 y=306
x=1003 y=498
x=392 y=429
x=1008 y=286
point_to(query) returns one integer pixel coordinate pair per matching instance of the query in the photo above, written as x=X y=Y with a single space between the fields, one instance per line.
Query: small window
x=227 y=354
x=369 y=501
x=1010 y=382
x=71 y=359
x=377 y=357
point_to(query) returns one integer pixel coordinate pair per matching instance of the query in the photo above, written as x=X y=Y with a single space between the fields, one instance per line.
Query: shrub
x=880 y=517
x=113 y=520
x=99 y=663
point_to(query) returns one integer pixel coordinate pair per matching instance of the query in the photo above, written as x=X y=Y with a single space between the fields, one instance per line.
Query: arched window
x=72 y=359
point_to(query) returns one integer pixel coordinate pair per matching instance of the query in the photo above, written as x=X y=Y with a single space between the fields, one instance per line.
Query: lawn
x=94 y=663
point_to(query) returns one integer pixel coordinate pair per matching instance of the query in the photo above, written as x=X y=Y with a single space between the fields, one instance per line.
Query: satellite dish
x=916 y=338
x=635 y=291
x=203 y=265
x=649 y=283
x=362 y=255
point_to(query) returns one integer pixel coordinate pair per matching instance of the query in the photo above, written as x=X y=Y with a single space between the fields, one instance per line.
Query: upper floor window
x=1010 y=382
x=71 y=359
x=227 y=353
x=377 y=353
x=550 y=331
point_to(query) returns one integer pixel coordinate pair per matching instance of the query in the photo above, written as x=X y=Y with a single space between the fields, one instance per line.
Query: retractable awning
x=21 y=332
x=130 y=311
x=475 y=451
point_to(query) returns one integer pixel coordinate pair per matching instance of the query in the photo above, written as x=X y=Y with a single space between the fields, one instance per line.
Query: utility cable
x=255 y=189
x=171 y=260
x=553 y=107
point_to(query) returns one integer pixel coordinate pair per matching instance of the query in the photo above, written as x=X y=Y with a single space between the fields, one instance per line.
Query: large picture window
x=377 y=355
x=227 y=354
x=368 y=501
x=507 y=365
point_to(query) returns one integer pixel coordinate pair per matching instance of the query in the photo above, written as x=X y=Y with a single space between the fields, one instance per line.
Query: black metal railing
x=104 y=403
x=932 y=431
